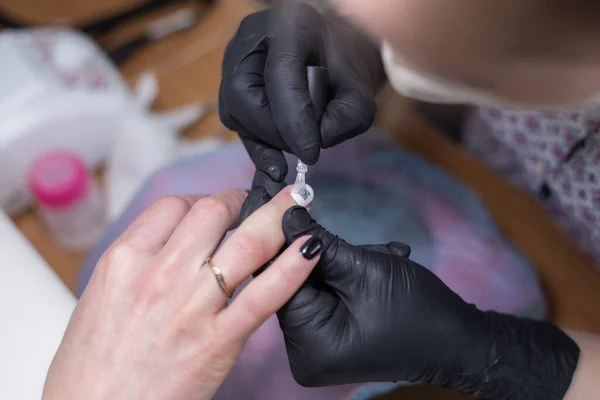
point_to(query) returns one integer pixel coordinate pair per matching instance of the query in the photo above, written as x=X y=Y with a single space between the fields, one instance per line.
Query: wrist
x=516 y=358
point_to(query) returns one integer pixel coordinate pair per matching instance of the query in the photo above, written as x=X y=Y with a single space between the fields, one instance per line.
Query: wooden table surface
x=188 y=68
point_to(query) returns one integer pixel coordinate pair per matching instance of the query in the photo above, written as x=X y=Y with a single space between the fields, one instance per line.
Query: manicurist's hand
x=370 y=314
x=264 y=89
x=154 y=323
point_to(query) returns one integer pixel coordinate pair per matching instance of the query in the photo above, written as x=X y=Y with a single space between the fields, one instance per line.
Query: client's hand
x=153 y=322
x=368 y=313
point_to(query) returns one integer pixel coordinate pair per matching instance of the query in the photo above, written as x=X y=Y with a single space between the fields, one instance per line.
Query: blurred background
x=108 y=92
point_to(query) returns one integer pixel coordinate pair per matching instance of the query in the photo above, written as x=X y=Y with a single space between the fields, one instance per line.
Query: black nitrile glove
x=264 y=92
x=370 y=314
x=263 y=190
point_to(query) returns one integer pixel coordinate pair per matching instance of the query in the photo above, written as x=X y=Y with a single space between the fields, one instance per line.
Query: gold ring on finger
x=219 y=277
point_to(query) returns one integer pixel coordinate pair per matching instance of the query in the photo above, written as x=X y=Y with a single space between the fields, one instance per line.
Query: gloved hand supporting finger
x=297 y=222
x=305 y=319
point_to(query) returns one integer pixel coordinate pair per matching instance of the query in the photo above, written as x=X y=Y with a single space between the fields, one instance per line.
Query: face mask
x=421 y=86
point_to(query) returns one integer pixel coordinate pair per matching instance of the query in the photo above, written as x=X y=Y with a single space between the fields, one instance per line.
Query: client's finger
x=254 y=243
x=151 y=230
x=263 y=190
x=203 y=228
x=271 y=290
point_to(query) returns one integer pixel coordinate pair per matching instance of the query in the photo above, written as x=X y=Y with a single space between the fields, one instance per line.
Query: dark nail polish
x=311 y=248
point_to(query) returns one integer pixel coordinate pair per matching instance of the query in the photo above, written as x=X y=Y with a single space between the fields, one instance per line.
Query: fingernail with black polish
x=311 y=248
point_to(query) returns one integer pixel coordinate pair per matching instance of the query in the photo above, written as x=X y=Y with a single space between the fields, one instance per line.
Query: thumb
x=297 y=222
x=338 y=258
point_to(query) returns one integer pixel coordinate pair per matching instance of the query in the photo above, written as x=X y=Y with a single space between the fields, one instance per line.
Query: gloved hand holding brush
x=264 y=89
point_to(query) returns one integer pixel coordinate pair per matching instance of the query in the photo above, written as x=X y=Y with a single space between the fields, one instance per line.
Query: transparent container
x=69 y=199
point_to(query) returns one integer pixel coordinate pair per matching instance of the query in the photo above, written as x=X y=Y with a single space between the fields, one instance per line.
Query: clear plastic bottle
x=302 y=193
x=69 y=200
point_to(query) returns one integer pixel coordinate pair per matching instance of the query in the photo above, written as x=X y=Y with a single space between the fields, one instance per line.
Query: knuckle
x=116 y=258
x=319 y=366
x=150 y=290
x=286 y=272
x=249 y=24
x=251 y=245
x=213 y=207
x=305 y=377
x=157 y=284
x=248 y=20
x=302 y=378
x=173 y=204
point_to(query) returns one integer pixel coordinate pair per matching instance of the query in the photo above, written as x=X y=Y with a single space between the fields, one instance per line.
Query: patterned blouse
x=553 y=155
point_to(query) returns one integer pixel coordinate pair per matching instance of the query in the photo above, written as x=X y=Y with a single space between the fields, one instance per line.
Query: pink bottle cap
x=58 y=179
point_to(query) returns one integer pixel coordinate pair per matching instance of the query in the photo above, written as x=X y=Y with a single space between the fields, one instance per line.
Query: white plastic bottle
x=69 y=199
